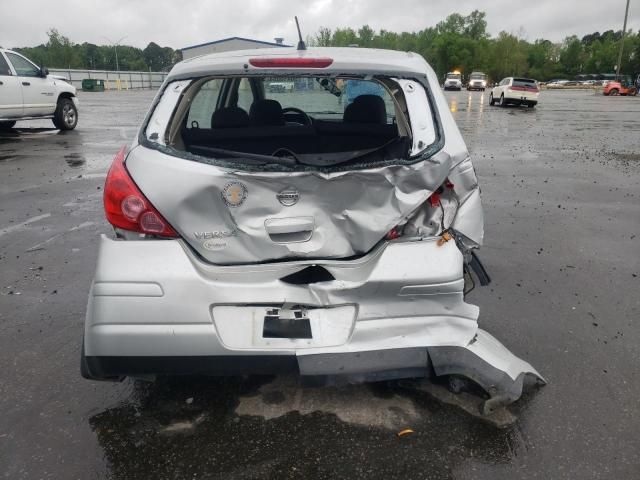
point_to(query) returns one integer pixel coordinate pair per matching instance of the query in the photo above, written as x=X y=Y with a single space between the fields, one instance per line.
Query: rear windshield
x=295 y=121
x=319 y=98
x=524 y=82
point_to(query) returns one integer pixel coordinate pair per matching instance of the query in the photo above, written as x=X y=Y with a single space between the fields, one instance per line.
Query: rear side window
x=22 y=66
x=4 y=66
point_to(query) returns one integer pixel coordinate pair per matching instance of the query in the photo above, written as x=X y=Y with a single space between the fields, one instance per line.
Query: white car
x=306 y=234
x=28 y=92
x=515 y=91
x=453 y=81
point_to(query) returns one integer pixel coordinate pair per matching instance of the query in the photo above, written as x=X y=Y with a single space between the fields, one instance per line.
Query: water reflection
x=188 y=428
x=470 y=102
x=75 y=160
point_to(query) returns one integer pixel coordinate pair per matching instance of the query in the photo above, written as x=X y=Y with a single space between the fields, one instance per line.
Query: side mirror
x=44 y=71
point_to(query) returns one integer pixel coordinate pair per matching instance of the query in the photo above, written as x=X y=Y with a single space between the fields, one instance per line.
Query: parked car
x=308 y=235
x=453 y=81
x=624 y=86
x=28 y=92
x=556 y=83
x=515 y=91
x=477 y=81
x=280 y=87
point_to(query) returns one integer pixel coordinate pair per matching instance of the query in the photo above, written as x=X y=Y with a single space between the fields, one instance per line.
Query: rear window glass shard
x=157 y=129
x=300 y=121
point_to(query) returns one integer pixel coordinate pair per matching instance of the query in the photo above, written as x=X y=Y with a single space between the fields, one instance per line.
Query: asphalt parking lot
x=561 y=190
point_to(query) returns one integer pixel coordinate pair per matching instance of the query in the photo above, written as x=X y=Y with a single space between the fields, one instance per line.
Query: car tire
x=492 y=102
x=531 y=105
x=613 y=92
x=502 y=101
x=7 y=125
x=66 y=114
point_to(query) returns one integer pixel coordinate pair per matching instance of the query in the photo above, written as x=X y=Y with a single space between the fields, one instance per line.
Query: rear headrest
x=366 y=109
x=229 y=117
x=266 y=112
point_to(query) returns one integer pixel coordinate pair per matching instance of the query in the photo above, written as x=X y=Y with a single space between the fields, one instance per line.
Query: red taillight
x=287 y=62
x=525 y=88
x=126 y=207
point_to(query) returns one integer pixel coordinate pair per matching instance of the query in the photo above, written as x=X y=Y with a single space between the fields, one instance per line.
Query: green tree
x=509 y=57
x=572 y=56
x=322 y=38
x=475 y=25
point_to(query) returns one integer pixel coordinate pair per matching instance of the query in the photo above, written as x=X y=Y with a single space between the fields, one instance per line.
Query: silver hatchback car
x=328 y=228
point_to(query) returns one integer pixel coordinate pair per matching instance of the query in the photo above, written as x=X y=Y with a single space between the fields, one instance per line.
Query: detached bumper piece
x=489 y=364
x=485 y=361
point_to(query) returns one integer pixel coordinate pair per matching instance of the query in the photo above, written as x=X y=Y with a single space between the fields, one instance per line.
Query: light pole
x=624 y=29
x=115 y=47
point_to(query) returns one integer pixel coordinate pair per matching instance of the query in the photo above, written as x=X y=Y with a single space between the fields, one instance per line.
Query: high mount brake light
x=126 y=207
x=286 y=62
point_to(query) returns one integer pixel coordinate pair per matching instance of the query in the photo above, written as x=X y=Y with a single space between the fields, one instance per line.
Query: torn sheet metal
x=225 y=215
x=489 y=364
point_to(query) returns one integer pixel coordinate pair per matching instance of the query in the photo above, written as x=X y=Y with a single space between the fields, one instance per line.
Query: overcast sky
x=183 y=23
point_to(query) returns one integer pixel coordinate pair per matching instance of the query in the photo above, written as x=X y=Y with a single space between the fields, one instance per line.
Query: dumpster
x=93 y=85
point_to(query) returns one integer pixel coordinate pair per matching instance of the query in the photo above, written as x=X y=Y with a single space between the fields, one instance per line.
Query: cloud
x=189 y=22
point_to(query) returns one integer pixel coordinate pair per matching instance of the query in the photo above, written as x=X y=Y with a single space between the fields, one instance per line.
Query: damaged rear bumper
x=398 y=312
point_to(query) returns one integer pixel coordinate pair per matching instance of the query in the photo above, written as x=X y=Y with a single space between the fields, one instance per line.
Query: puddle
x=352 y=404
x=75 y=160
x=245 y=428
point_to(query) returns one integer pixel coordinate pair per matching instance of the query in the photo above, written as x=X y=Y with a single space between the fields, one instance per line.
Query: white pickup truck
x=28 y=92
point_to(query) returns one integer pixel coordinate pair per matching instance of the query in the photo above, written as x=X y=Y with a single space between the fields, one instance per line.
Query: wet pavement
x=561 y=189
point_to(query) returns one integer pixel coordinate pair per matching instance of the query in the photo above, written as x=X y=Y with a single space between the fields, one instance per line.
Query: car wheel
x=491 y=100
x=66 y=115
x=531 y=105
x=502 y=102
x=7 y=125
x=613 y=92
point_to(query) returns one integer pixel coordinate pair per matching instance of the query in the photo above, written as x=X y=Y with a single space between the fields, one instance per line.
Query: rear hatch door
x=235 y=217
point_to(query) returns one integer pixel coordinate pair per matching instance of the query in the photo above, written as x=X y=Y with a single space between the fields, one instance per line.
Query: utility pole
x=624 y=30
x=115 y=47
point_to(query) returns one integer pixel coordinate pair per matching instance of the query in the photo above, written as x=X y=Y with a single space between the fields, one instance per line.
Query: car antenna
x=301 y=45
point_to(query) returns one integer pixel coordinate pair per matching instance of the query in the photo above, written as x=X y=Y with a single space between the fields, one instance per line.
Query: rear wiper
x=337 y=158
x=255 y=158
